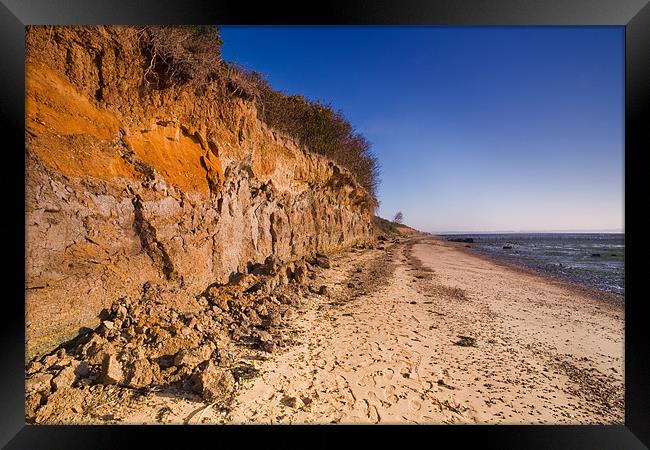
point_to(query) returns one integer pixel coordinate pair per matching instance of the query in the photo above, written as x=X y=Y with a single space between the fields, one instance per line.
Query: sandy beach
x=425 y=332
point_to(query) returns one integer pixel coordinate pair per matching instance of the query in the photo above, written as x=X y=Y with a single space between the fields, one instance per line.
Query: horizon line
x=606 y=231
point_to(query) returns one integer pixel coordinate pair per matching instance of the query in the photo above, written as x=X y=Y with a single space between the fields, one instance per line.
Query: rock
x=38 y=383
x=350 y=285
x=323 y=290
x=275 y=319
x=265 y=336
x=111 y=370
x=49 y=361
x=219 y=299
x=465 y=240
x=33 y=402
x=108 y=324
x=82 y=369
x=284 y=299
x=213 y=384
x=268 y=347
x=381 y=237
x=270 y=267
x=121 y=312
x=194 y=357
x=64 y=379
x=300 y=274
x=141 y=373
x=253 y=317
x=323 y=262
x=293 y=402
x=34 y=367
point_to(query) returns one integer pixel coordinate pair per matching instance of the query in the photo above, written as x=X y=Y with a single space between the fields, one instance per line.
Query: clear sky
x=476 y=128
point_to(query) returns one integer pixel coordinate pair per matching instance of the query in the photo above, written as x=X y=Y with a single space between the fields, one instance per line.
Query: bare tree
x=399 y=217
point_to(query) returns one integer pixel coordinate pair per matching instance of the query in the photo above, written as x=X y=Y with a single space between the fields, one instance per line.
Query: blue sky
x=476 y=128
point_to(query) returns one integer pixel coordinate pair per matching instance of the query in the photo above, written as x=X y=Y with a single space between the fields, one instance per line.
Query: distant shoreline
x=598 y=294
x=456 y=233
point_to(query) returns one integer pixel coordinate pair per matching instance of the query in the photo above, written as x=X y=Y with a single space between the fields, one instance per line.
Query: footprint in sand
x=367 y=380
x=389 y=394
x=372 y=413
x=406 y=372
x=373 y=397
x=415 y=404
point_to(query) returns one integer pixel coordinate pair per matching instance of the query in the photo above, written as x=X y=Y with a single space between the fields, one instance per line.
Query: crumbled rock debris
x=147 y=343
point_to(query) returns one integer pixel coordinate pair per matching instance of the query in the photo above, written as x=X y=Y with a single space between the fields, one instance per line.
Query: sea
x=595 y=260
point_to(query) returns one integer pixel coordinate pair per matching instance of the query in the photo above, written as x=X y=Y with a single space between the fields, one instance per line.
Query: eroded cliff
x=128 y=184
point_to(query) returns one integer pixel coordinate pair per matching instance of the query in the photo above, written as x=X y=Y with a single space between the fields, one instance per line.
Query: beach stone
x=64 y=379
x=268 y=346
x=293 y=402
x=194 y=357
x=141 y=373
x=32 y=403
x=323 y=262
x=38 y=383
x=82 y=369
x=213 y=383
x=300 y=273
x=111 y=370
x=34 y=367
x=49 y=360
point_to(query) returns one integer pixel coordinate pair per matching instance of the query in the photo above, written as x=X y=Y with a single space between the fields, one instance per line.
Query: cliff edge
x=129 y=184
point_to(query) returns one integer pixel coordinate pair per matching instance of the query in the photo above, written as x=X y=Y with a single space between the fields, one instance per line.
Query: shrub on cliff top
x=180 y=54
x=319 y=128
x=192 y=54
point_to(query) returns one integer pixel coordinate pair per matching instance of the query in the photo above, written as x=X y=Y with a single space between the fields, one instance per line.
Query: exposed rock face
x=127 y=185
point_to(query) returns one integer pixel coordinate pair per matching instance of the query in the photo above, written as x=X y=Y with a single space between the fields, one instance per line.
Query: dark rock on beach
x=465 y=240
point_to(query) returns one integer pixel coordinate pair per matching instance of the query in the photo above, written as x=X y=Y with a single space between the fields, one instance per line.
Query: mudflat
x=425 y=332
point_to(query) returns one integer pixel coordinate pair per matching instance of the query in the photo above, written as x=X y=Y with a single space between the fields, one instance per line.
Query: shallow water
x=572 y=257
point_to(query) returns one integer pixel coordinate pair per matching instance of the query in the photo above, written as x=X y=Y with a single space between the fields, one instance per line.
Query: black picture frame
x=634 y=15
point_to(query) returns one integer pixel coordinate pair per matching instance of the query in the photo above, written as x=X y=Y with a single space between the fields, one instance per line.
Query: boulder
x=213 y=383
x=39 y=383
x=112 y=372
x=141 y=373
x=81 y=369
x=64 y=378
x=293 y=402
x=300 y=273
x=323 y=262
x=193 y=357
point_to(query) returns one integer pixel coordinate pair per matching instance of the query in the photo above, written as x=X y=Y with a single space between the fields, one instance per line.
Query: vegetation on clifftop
x=192 y=54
